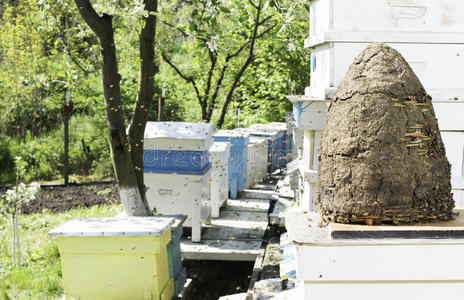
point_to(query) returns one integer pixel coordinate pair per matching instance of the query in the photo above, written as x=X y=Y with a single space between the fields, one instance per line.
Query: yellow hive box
x=115 y=258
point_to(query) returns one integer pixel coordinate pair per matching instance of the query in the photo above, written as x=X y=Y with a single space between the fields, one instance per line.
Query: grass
x=39 y=276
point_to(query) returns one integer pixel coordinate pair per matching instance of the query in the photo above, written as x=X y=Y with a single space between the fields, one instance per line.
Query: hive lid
x=179 y=130
x=270 y=127
x=279 y=125
x=178 y=220
x=258 y=139
x=220 y=147
x=117 y=226
x=238 y=132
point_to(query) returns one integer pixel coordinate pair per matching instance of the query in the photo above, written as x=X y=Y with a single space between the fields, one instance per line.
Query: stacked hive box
x=239 y=140
x=309 y=115
x=219 y=156
x=429 y=34
x=287 y=144
x=177 y=170
x=276 y=146
x=257 y=160
x=451 y=123
x=420 y=30
x=115 y=258
x=296 y=138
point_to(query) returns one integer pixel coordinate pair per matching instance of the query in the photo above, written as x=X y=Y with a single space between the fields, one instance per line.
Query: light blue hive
x=239 y=139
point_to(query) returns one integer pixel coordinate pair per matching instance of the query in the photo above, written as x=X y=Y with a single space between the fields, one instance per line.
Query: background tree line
x=202 y=47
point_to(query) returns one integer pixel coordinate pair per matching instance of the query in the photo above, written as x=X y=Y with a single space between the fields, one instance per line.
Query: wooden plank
x=256 y=269
x=277 y=216
x=185 y=293
x=264 y=186
x=383 y=290
x=254 y=205
x=449 y=229
x=286 y=191
x=241 y=219
x=220 y=250
x=241 y=296
x=232 y=233
x=259 y=194
x=381 y=262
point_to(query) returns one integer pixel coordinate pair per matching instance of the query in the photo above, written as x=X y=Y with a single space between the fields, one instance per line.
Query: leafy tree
x=126 y=150
x=281 y=67
x=13 y=201
x=220 y=37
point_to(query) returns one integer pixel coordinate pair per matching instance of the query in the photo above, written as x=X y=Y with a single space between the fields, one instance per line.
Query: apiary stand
x=115 y=258
x=375 y=268
x=309 y=114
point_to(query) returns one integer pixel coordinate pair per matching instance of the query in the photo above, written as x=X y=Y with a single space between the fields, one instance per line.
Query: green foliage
x=281 y=68
x=45 y=48
x=88 y=150
x=40 y=277
x=7 y=162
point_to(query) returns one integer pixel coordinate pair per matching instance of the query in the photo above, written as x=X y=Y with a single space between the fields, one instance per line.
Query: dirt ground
x=212 y=279
x=59 y=198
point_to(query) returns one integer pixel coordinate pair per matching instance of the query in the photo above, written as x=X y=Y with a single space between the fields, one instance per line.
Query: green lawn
x=40 y=274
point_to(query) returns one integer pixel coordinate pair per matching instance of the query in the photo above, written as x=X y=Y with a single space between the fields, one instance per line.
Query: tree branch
x=264 y=20
x=175 y=27
x=245 y=65
x=145 y=93
x=253 y=4
x=184 y=34
x=213 y=59
x=216 y=91
x=186 y=78
x=91 y=17
x=230 y=56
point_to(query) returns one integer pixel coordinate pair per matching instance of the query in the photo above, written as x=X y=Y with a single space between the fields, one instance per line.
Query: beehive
x=257 y=160
x=115 y=258
x=276 y=155
x=429 y=36
x=219 y=155
x=239 y=140
x=177 y=170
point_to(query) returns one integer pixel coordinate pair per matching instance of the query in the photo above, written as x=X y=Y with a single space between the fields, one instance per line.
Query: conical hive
x=381 y=157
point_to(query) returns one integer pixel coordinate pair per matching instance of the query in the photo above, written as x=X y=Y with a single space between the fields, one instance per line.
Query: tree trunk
x=18 y=246
x=120 y=148
x=13 y=244
x=145 y=94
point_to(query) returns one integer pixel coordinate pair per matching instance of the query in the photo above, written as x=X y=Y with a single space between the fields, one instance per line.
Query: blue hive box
x=177 y=147
x=286 y=141
x=239 y=139
x=177 y=170
x=176 y=271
